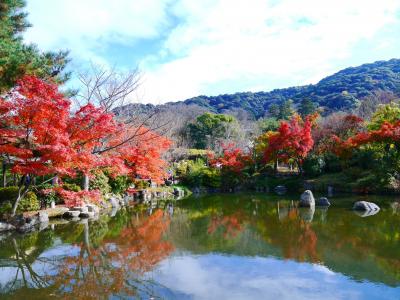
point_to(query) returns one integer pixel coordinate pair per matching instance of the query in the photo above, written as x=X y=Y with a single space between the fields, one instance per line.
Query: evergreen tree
x=286 y=110
x=273 y=111
x=17 y=58
x=307 y=107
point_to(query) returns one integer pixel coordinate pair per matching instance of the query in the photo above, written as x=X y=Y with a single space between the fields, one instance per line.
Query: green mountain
x=343 y=90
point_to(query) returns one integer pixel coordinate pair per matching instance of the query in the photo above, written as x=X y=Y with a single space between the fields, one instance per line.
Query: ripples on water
x=215 y=247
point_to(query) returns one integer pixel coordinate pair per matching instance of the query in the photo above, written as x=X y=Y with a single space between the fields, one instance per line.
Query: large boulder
x=43 y=217
x=323 y=201
x=59 y=211
x=366 y=206
x=307 y=199
x=29 y=225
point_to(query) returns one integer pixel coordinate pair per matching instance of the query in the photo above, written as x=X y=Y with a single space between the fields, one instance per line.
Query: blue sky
x=185 y=48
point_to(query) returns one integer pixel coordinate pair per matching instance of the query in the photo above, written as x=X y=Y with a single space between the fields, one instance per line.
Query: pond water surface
x=246 y=246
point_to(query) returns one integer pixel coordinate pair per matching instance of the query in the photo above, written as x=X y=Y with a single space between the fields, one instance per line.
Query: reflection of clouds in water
x=44 y=265
x=223 y=277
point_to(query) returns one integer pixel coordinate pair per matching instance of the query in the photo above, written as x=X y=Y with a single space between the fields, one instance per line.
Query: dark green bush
x=211 y=178
x=5 y=208
x=313 y=165
x=119 y=184
x=9 y=193
x=332 y=163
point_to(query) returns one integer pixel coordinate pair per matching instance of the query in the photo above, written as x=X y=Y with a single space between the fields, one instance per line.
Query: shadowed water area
x=246 y=246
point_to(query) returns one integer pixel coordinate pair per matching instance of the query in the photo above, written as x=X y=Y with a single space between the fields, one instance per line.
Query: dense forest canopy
x=343 y=91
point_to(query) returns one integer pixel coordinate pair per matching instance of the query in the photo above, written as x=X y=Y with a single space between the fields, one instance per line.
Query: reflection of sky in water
x=233 y=277
x=44 y=265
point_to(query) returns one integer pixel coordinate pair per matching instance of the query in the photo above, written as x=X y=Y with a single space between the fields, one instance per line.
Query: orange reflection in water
x=116 y=266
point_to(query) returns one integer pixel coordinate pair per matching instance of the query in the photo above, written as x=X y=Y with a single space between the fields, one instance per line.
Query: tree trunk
x=276 y=166
x=299 y=167
x=85 y=182
x=23 y=189
x=4 y=169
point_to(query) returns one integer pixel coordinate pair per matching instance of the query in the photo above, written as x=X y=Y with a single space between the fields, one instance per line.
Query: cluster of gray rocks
x=363 y=208
x=88 y=211
x=41 y=219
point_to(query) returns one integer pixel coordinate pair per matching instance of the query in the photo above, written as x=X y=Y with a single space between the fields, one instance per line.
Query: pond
x=245 y=246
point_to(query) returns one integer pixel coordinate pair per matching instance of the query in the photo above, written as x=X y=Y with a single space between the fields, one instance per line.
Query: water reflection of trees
x=106 y=262
x=364 y=248
x=118 y=264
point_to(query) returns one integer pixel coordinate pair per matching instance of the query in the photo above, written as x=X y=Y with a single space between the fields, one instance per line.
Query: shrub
x=47 y=194
x=211 y=178
x=141 y=184
x=313 y=165
x=119 y=184
x=9 y=193
x=29 y=203
x=100 y=182
x=5 y=208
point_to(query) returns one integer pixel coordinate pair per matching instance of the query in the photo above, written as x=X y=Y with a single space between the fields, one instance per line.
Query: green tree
x=388 y=112
x=286 y=110
x=268 y=124
x=209 y=128
x=273 y=111
x=17 y=58
x=307 y=107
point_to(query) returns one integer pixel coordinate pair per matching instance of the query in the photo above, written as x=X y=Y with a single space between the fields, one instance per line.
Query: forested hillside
x=342 y=91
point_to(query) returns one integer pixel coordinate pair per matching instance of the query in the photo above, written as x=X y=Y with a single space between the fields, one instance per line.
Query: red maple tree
x=40 y=136
x=292 y=140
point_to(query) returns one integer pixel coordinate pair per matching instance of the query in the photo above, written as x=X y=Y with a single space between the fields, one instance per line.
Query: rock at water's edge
x=307 y=199
x=323 y=201
x=365 y=206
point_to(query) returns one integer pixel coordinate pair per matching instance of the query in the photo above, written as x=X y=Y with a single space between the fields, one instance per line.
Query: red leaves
x=72 y=199
x=388 y=133
x=232 y=159
x=34 y=120
x=292 y=140
x=41 y=135
x=142 y=155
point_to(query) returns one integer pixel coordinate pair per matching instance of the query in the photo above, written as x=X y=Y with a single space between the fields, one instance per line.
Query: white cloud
x=293 y=41
x=254 y=44
x=87 y=26
x=216 y=276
